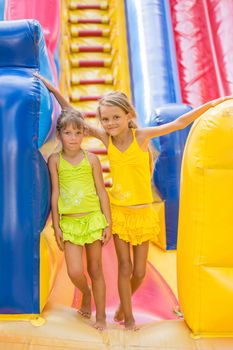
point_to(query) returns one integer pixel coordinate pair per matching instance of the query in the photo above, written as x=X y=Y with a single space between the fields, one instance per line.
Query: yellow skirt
x=135 y=225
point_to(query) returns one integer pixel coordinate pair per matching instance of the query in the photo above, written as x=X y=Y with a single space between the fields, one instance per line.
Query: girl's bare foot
x=85 y=309
x=119 y=315
x=131 y=326
x=100 y=325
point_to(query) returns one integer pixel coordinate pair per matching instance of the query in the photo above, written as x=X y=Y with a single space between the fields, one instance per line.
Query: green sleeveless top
x=76 y=187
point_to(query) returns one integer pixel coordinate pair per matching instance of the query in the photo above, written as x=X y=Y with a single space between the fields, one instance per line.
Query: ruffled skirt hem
x=83 y=230
x=135 y=225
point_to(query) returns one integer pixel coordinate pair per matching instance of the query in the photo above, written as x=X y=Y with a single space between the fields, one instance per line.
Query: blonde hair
x=119 y=99
x=70 y=116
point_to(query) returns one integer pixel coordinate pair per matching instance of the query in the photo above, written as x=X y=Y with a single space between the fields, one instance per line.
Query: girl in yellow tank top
x=134 y=220
x=80 y=211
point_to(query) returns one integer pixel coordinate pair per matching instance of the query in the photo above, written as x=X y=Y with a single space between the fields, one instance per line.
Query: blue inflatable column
x=24 y=178
x=168 y=166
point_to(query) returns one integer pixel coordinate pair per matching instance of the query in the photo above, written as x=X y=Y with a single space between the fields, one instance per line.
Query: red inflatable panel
x=221 y=20
x=47 y=12
x=194 y=47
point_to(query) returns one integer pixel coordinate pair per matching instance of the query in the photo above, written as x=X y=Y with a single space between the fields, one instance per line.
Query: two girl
x=134 y=220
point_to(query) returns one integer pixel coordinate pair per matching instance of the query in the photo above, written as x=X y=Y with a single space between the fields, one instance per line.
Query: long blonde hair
x=119 y=99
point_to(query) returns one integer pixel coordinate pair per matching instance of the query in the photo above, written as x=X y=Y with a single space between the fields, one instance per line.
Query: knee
x=75 y=274
x=139 y=275
x=125 y=268
x=94 y=270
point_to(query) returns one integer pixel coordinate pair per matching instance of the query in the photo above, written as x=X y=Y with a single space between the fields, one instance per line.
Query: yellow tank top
x=131 y=175
x=77 y=193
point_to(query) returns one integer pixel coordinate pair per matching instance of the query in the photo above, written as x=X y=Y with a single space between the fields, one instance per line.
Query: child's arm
x=179 y=123
x=97 y=133
x=52 y=164
x=60 y=99
x=92 y=131
x=102 y=194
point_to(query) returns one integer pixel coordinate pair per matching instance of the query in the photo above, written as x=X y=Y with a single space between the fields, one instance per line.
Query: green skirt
x=84 y=229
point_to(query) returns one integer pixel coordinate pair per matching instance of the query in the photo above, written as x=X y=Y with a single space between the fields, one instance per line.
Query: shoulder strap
x=134 y=133
x=85 y=154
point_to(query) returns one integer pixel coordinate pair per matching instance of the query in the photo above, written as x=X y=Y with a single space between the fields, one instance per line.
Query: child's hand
x=49 y=86
x=59 y=239
x=215 y=102
x=106 y=236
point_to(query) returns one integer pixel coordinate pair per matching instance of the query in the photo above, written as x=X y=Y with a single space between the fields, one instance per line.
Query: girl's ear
x=58 y=135
x=132 y=124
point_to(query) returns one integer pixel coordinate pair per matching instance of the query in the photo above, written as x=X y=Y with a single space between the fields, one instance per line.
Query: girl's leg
x=140 y=254
x=94 y=266
x=73 y=256
x=124 y=286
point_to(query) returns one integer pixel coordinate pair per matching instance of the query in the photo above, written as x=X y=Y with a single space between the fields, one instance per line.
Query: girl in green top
x=80 y=211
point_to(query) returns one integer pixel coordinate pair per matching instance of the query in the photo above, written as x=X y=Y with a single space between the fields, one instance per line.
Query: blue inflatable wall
x=25 y=119
x=168 y=166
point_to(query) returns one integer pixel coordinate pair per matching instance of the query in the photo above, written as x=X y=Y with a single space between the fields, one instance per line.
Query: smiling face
x=71 y=137
x=114 y=119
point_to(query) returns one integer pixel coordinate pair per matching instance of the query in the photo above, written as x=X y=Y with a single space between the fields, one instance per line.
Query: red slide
x=204 y=47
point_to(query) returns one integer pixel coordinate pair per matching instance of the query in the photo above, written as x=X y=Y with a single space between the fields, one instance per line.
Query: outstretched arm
x=60 y=99
x=92 y=131
x=181 y=122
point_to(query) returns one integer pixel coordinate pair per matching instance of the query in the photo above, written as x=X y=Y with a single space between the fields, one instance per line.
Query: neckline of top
x=122 y=152
x=74 y=165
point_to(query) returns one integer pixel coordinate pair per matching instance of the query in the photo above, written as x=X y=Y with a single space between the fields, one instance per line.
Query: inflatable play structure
x=168 y=56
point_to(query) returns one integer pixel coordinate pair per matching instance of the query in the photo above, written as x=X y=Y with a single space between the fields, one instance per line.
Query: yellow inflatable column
x=50 y=263
x=205 y=239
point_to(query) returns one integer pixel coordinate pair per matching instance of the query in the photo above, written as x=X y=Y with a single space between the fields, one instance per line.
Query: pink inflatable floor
x=153 y=301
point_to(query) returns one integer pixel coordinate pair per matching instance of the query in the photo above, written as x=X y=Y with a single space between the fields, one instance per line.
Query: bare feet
x=83 y=313
x=85 y=309
x=100 y=325
x=131 y=326
x=119 y=314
